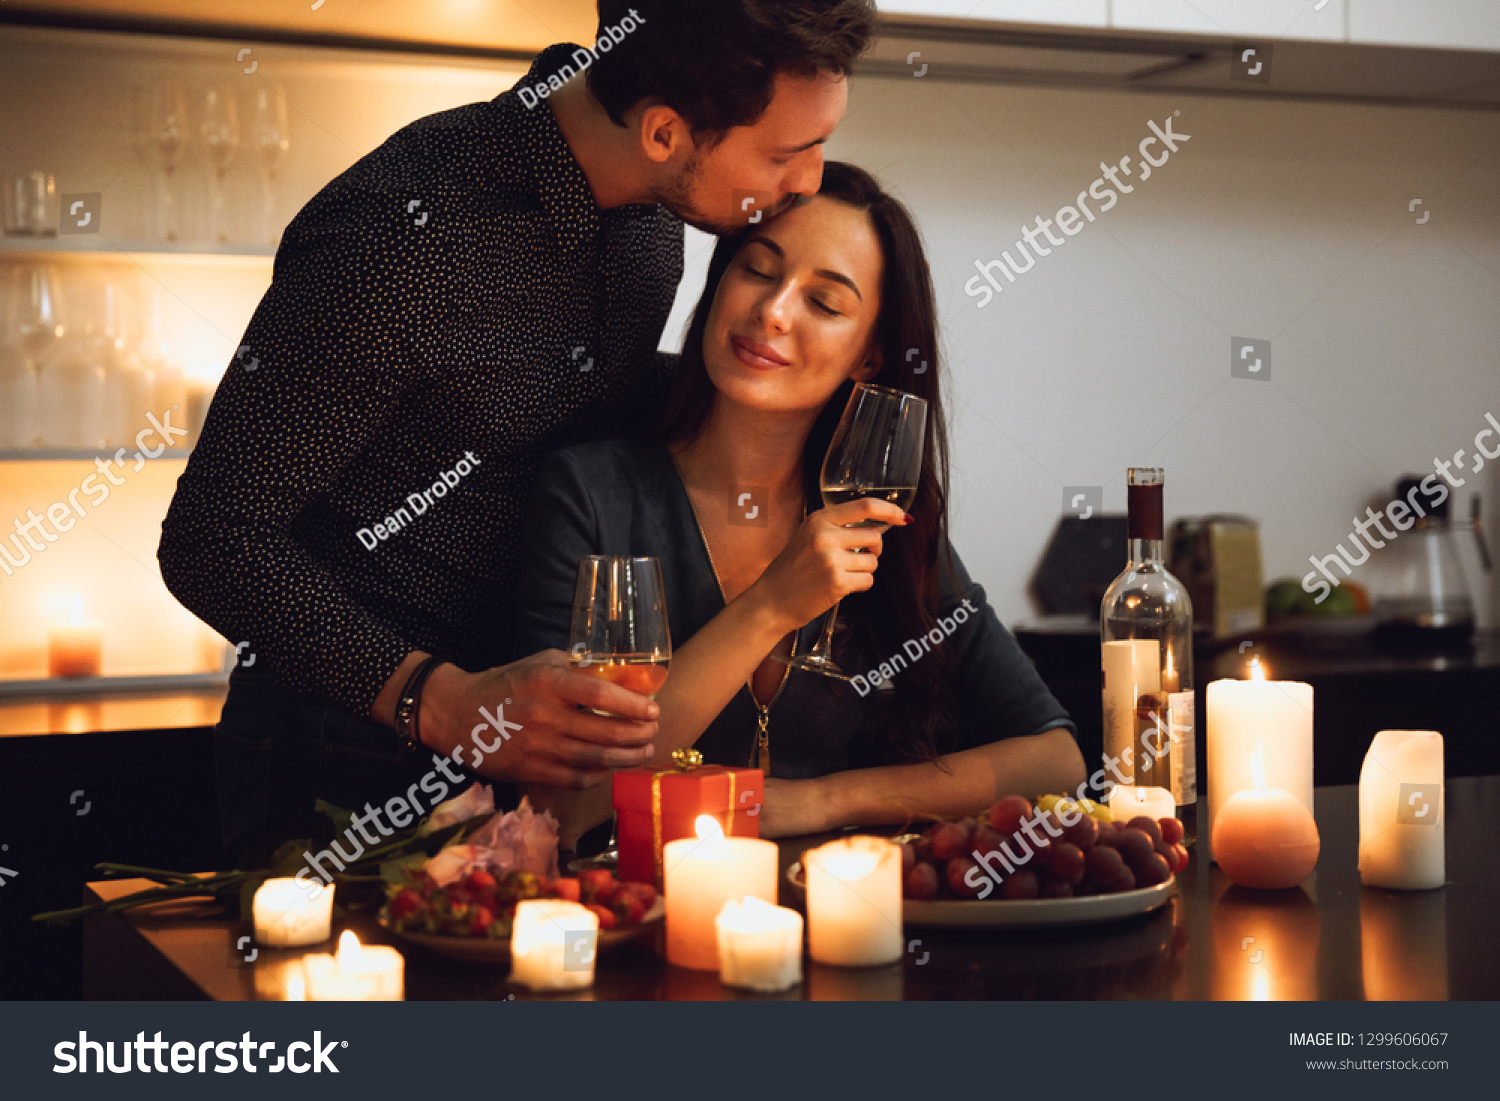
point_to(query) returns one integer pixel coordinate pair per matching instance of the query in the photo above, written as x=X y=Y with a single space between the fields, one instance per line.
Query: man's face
x=762 y=167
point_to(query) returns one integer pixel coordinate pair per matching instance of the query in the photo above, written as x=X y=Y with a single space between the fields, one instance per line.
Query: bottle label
x=1181 y=715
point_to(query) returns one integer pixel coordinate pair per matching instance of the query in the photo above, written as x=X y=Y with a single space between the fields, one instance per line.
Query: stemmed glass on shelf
x=220 y=131
x=270 y=136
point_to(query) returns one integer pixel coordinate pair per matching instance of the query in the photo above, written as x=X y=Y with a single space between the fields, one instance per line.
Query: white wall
x=1280 y=220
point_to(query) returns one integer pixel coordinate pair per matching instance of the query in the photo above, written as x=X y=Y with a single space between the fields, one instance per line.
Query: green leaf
x=340 y=817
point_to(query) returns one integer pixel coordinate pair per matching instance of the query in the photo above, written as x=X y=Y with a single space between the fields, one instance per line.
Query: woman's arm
x=952 y=786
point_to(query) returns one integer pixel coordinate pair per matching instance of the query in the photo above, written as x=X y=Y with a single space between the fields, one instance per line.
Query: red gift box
x=655 y=806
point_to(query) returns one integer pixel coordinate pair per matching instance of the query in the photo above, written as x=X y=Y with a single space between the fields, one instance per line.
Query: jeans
x=277 y=751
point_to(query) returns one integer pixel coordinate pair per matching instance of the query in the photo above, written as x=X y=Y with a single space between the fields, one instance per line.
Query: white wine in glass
x=876 y=452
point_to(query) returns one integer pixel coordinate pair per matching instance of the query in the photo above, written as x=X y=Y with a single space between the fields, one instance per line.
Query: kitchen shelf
x=76 y=454
x=85 y=687
x=83 y=245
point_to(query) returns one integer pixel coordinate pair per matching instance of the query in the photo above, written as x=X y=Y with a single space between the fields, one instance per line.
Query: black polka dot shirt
x=455 y=295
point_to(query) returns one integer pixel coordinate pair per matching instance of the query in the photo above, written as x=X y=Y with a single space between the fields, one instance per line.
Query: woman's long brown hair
x=905 y=599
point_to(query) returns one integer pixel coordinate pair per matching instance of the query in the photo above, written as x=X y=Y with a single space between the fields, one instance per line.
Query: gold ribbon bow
x=686 y=760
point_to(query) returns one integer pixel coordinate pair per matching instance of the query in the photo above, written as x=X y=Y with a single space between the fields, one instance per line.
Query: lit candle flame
x=711 y=844
x=75 y=610
x=1256 y=672
x=348 y=949
x=1257 y=774
x=295 y=990
x=1169 y=663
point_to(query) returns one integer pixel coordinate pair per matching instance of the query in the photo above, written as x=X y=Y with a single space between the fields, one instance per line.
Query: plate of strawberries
x=470 y=918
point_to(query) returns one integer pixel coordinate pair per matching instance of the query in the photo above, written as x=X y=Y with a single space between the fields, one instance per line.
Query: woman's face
x=794 y=316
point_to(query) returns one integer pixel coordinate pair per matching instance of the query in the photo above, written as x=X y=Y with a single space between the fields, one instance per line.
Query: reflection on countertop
x=112 y=712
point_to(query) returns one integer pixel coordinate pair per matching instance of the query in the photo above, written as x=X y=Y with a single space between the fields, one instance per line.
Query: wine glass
x=620 y=631
x=168 y=129
x=220 y=131
x=271 y=138
x=33 y=335
x=876 y=451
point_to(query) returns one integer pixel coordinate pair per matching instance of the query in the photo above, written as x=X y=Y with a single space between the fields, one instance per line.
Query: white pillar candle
x=1274 y=716
x=1132 y=668
x=359 y=973
x=1127 y=802
x=290 y=915
x=702 y=873
x=854 y=902
x=553 y=944
x=760 y=945
x=1401 y=822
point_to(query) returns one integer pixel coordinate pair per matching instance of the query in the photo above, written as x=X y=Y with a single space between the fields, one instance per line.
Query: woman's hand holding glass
x=826 y=560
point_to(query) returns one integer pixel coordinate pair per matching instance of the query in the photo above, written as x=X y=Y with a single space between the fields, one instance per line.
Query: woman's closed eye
x=756 y=273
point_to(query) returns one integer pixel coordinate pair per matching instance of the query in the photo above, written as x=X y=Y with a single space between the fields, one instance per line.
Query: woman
x=832 y=292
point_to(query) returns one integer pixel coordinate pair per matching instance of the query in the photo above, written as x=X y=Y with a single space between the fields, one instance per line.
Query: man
x=488 y=285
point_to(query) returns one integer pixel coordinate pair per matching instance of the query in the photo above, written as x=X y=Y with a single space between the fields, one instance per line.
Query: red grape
x=985 y=840
x=1134 y=846
x=1152 y=871
x=1082 y=833
x=1126 y=882
x=1052 y=887
x=1109 y=834
x=1105 y=867
x=1180 y=859
x=970 y=823
x=1021 y=885
x=1006 y=815
x=1171 y=830
x=955 y=871
x=949 y=840
x=922 y=882
x=1147 y=826
x=1068 y=861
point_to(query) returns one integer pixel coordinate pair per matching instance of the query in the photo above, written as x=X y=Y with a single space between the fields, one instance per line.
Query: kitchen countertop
x=106 y=712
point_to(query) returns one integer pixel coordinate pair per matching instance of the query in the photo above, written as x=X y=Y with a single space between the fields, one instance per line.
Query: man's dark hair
x=715 y=62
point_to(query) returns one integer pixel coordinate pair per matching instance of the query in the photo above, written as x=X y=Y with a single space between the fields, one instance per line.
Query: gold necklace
x=763 y=737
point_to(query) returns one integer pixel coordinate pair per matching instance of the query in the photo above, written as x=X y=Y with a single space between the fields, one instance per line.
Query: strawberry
x=606 y=917
x=566 y=888
x=479 y=881
x=406 y=902
x=482 y=921
x=592 y=881
x=630 y=909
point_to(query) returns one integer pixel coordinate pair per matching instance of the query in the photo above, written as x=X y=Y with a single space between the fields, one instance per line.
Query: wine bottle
x=1146 y=630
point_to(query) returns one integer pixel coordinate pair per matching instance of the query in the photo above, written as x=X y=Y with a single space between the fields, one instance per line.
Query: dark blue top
x=620 y=497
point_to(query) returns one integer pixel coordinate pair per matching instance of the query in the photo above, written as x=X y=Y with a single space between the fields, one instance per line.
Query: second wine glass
x=619 y=631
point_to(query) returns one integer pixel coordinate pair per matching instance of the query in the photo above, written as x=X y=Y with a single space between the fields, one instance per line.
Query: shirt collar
x=559 y=180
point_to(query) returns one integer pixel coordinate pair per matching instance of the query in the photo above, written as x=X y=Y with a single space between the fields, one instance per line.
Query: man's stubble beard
x=677 y=196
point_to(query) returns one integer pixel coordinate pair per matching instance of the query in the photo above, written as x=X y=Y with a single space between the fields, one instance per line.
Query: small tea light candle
x=1127 y=802
x=701 y=874
x=553 y=944
x=1401 y=822
x=1265 y=839
x=854 y=902
x=75 y=648
x=359 y=973
x=760 y=945
x=289 y=915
